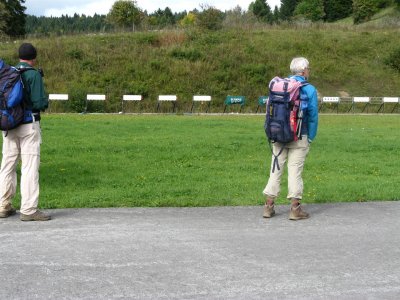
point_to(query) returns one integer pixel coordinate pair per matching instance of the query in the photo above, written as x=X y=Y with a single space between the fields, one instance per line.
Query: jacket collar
x=24 y=65
x=298 y=78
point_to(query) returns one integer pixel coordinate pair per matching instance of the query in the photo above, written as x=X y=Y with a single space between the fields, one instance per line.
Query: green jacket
x=35 y=98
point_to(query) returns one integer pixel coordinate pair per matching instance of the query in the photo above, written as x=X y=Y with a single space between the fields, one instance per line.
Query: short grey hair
x=299 y=65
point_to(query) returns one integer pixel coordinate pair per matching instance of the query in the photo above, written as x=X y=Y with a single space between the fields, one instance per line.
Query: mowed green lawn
x=169 y=160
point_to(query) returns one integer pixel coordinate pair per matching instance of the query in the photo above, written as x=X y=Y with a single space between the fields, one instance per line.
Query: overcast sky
x=90 y=7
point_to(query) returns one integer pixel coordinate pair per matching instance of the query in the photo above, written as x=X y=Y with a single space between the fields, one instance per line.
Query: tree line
x=126 y=15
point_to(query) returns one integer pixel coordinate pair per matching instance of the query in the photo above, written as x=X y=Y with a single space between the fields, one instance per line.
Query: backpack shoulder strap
x=24 y=69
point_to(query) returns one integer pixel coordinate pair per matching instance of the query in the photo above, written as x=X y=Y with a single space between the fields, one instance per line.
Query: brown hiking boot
x=269 y=211
x=37 y=216
x=296 y=213
x=7 y=211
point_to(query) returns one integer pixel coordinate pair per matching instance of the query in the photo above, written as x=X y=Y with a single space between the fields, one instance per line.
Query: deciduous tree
x=363 y=10
x=124 y=13
x=210 y=18
x=312 y=10
x=188 y=20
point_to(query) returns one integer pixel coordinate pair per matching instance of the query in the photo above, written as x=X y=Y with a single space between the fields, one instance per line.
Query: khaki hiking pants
x=295 y=154
x=22 y=142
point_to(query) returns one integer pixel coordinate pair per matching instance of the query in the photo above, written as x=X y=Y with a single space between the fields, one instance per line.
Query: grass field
x=170 y=160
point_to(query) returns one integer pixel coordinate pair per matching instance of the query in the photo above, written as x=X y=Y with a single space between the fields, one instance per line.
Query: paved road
x=345 y=251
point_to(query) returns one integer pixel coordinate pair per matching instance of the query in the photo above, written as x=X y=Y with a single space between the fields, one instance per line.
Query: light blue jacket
x=309 y=104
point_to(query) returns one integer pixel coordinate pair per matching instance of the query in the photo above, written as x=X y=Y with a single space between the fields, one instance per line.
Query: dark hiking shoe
x=7 y=211
x=296 y=213
x=37 y=216
x=269 y=211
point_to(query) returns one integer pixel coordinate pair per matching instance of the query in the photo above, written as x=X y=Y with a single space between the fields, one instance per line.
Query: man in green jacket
x=24 y=142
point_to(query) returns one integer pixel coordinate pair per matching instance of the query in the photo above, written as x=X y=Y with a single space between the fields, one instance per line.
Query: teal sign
x=262 y=100
x=230 y=100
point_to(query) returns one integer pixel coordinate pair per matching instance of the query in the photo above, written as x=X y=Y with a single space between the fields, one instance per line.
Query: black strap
x=24 y=69
x=285 y=86
x=276 y=162
x=271 y=86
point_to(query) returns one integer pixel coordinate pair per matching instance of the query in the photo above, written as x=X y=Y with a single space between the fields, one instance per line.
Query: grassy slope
x=230 y=62
x=386 y=17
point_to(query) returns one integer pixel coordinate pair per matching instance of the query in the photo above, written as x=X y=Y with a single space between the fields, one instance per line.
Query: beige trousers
x=22 y=142
x=295 y=154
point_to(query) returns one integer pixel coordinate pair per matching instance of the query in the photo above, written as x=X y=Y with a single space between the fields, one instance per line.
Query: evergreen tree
x=66 y=24
x=163 y=18
x=178 y=17
x=262 y=11
x=13 y=17
x=276 y=14
x=167 y=17
x=287 y=9
x=337 y=9
x=3 y=17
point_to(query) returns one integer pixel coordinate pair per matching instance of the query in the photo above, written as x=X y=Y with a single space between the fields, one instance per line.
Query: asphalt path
x=344 y=251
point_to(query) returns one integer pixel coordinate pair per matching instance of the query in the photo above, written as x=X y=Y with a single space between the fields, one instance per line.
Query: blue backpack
x=284 y=115
x=11 y=97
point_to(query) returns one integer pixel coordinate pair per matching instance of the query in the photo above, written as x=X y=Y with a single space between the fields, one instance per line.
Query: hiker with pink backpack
x=291 y=125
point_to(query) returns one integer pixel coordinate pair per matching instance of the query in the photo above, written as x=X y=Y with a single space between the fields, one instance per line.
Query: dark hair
x=27 y=51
